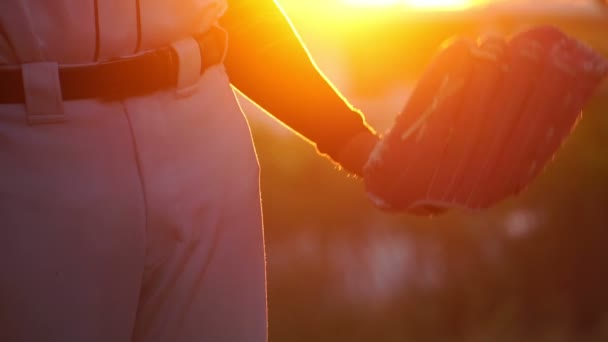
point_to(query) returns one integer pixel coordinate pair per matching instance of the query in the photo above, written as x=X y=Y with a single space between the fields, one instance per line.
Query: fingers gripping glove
x=483 y=121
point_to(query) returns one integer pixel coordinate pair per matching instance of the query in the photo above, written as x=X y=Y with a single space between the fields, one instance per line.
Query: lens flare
x=418 y=4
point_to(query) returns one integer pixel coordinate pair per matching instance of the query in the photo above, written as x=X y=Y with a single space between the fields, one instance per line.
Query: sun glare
x=419 y=4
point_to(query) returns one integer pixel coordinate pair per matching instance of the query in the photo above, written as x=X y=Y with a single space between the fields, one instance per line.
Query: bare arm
x=268 y=62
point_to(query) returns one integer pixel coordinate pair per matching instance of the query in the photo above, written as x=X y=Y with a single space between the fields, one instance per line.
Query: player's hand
x=483 y=121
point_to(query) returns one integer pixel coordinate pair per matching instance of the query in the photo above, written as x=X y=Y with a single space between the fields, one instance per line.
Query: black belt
x=120 y=78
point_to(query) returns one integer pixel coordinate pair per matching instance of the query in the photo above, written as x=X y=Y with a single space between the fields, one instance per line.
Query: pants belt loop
x=188 y=65
x=42 y=90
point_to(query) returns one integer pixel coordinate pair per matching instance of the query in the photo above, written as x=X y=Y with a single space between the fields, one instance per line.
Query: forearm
x=267 y=61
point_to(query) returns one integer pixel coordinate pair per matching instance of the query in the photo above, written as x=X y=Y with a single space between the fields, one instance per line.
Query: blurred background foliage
x=534 y=268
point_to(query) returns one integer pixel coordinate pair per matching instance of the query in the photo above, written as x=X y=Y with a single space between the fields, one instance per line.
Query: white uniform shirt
x=85 y=31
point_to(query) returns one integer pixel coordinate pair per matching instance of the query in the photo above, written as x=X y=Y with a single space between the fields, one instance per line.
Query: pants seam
x=138 y=165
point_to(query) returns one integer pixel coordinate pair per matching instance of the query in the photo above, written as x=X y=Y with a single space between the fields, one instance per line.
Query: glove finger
x=455 y=185
x=428 y=145
x=587 y=70
x=398 y=152
x=502 y=114
x=516 y=160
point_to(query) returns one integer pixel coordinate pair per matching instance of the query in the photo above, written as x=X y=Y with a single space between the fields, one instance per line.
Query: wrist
x=355 y=153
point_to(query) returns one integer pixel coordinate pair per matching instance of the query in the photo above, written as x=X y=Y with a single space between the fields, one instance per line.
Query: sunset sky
x=413 y=4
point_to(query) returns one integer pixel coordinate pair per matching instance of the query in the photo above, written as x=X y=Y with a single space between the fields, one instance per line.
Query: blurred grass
x=547 y=284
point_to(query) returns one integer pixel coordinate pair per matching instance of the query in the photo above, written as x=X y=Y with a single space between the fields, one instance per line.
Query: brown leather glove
x=483 y=121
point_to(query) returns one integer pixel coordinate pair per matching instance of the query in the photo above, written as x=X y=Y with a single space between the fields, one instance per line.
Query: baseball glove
x=483 y=121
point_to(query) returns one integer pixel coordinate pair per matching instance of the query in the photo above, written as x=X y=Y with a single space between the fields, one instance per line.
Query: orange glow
x=416 y=4
x=343 y=14
x=375 y=42
x=357 y=15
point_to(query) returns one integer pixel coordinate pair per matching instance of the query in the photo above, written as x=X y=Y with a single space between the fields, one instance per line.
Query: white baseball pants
x=134 y=220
